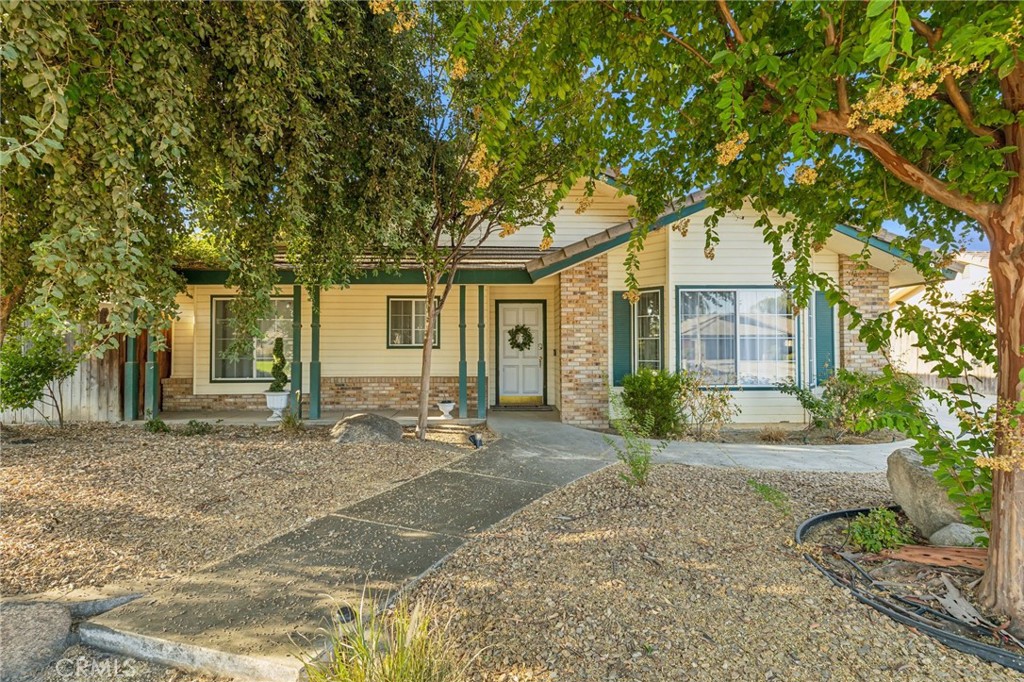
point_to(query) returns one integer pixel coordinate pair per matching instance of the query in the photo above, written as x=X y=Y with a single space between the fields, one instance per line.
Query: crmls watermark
x=93 y=669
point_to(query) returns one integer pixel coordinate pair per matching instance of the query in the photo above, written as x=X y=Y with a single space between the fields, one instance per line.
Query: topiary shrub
x=652 y=399
x=280 y=379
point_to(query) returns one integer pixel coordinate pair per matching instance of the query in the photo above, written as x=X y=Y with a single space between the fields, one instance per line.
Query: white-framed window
x=256 y=367
x=407 y=323
x=647 y=339
x=740 y=337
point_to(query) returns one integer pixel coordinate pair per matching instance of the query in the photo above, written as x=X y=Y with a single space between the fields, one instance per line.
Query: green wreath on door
x=520 y=337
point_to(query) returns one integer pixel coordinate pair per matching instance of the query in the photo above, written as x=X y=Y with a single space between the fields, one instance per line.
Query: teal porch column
x=130 y=410
x=152 y=402
x=481 y=363
x=296 y=399
x=314 y=355
x=463 y=369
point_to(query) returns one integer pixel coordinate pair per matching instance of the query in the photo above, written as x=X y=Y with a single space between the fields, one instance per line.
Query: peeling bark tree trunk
x=1002 y=588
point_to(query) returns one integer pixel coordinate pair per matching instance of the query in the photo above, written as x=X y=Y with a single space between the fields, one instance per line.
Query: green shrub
x=33 y=367
x=877 y=530
x=637 y=451
x=400 y=645
x=194 y=427
x=156 y=425
x=277 y=369
x=652 y=398
x=851 y=400
x=703 y=409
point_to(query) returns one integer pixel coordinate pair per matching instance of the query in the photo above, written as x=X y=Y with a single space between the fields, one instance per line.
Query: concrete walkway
x=252 y=615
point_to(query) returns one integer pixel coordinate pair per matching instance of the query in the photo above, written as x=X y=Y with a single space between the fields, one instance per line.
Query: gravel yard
x=695 y=578
x=92 y=505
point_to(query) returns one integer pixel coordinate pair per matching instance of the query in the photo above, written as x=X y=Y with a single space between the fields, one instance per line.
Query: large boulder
x=956 y=535
x=34 y=635
x=923 y=500
x=367 y=428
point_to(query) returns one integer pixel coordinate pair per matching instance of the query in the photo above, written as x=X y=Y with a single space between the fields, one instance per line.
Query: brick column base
x=583 y=331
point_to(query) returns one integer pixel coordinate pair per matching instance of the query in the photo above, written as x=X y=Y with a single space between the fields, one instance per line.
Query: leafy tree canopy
x=129 y=128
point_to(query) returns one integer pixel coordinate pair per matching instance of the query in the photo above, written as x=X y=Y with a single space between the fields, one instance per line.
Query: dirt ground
x=91 y=505
x=693 y=578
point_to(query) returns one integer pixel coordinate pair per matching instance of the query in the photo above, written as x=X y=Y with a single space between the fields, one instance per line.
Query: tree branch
x=904 y=170
x=726 y=13
x=630 y=16
x=833 y=41
x=956 y=96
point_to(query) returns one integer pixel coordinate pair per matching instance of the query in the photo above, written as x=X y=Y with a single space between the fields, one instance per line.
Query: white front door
x=521 y=372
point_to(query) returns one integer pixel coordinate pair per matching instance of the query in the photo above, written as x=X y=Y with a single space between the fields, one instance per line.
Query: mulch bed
x=91 y=505
x=695 y=577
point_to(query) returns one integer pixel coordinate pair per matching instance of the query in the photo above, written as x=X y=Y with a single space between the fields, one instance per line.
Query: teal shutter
x=824 y=338
x=622 y=337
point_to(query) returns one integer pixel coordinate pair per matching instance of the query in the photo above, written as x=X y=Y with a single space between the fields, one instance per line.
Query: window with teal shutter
x=622 y=337
x=824 y=338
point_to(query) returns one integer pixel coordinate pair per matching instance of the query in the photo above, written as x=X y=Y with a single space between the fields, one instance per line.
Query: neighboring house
x=361 y=351
x=972 y=273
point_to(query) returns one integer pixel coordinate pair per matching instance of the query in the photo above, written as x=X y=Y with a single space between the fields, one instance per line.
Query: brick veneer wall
x=373 y=393
x=867 y=288
x=583 y=329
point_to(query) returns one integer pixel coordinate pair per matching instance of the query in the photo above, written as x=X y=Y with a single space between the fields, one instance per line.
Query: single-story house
x=726 y=315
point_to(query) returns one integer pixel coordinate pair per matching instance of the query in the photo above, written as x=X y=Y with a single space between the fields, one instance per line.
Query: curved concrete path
x=251 y=616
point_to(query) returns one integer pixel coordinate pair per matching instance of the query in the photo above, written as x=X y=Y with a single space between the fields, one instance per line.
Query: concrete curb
x=188 y=656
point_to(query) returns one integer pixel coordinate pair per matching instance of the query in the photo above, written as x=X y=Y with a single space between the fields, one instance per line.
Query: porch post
x=463 y=370
x=296 y=388
x=314 y=355
x=152 y=403
x=130 y=409
x=481 y=363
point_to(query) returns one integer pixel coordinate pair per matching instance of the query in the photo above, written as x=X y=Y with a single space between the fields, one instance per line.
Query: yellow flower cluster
x=1015 y=32
x=1008 y=426
x=584 y=203
x=806 y=175
x=632 y=296
x=459 y=69
x=485 y=170
x=404 y=20
x=546 y=243
x=477 y=206
x=882 y=105
x=682 y=227
x=730 y=149
x=507 y=230
x=709 y=252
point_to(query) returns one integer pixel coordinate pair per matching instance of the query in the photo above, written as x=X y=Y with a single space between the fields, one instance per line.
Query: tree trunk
x=428 y=349
x=1002 y=588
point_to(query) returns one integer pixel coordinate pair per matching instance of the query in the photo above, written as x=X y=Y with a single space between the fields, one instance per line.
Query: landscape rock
x=33 y=636
x=367 y=428
x=956 y=535
x=915 y=489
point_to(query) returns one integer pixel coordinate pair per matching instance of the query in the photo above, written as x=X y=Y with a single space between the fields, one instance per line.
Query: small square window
x=407 y=323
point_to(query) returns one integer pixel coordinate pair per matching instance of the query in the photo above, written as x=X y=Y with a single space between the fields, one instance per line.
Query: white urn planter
x=446 y=407
x=277 y=402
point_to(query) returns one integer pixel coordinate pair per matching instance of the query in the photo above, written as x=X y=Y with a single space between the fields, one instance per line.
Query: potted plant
x=446 y=406
x=277 y=394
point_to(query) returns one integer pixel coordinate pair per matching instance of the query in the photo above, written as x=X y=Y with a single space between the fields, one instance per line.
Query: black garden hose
x=983 y=651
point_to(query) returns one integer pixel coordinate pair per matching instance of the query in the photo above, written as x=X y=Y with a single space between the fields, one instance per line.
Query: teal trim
x=463 y=370
x=467 y=276
x=314 y=354
x=622 y=338
x=130 y=409
x=883 y=246
x=437 y=323
x=296 y=383
x=497 y=344
x=152 y=401
x=612 y=243
x=824 y=338
x=481 y=363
